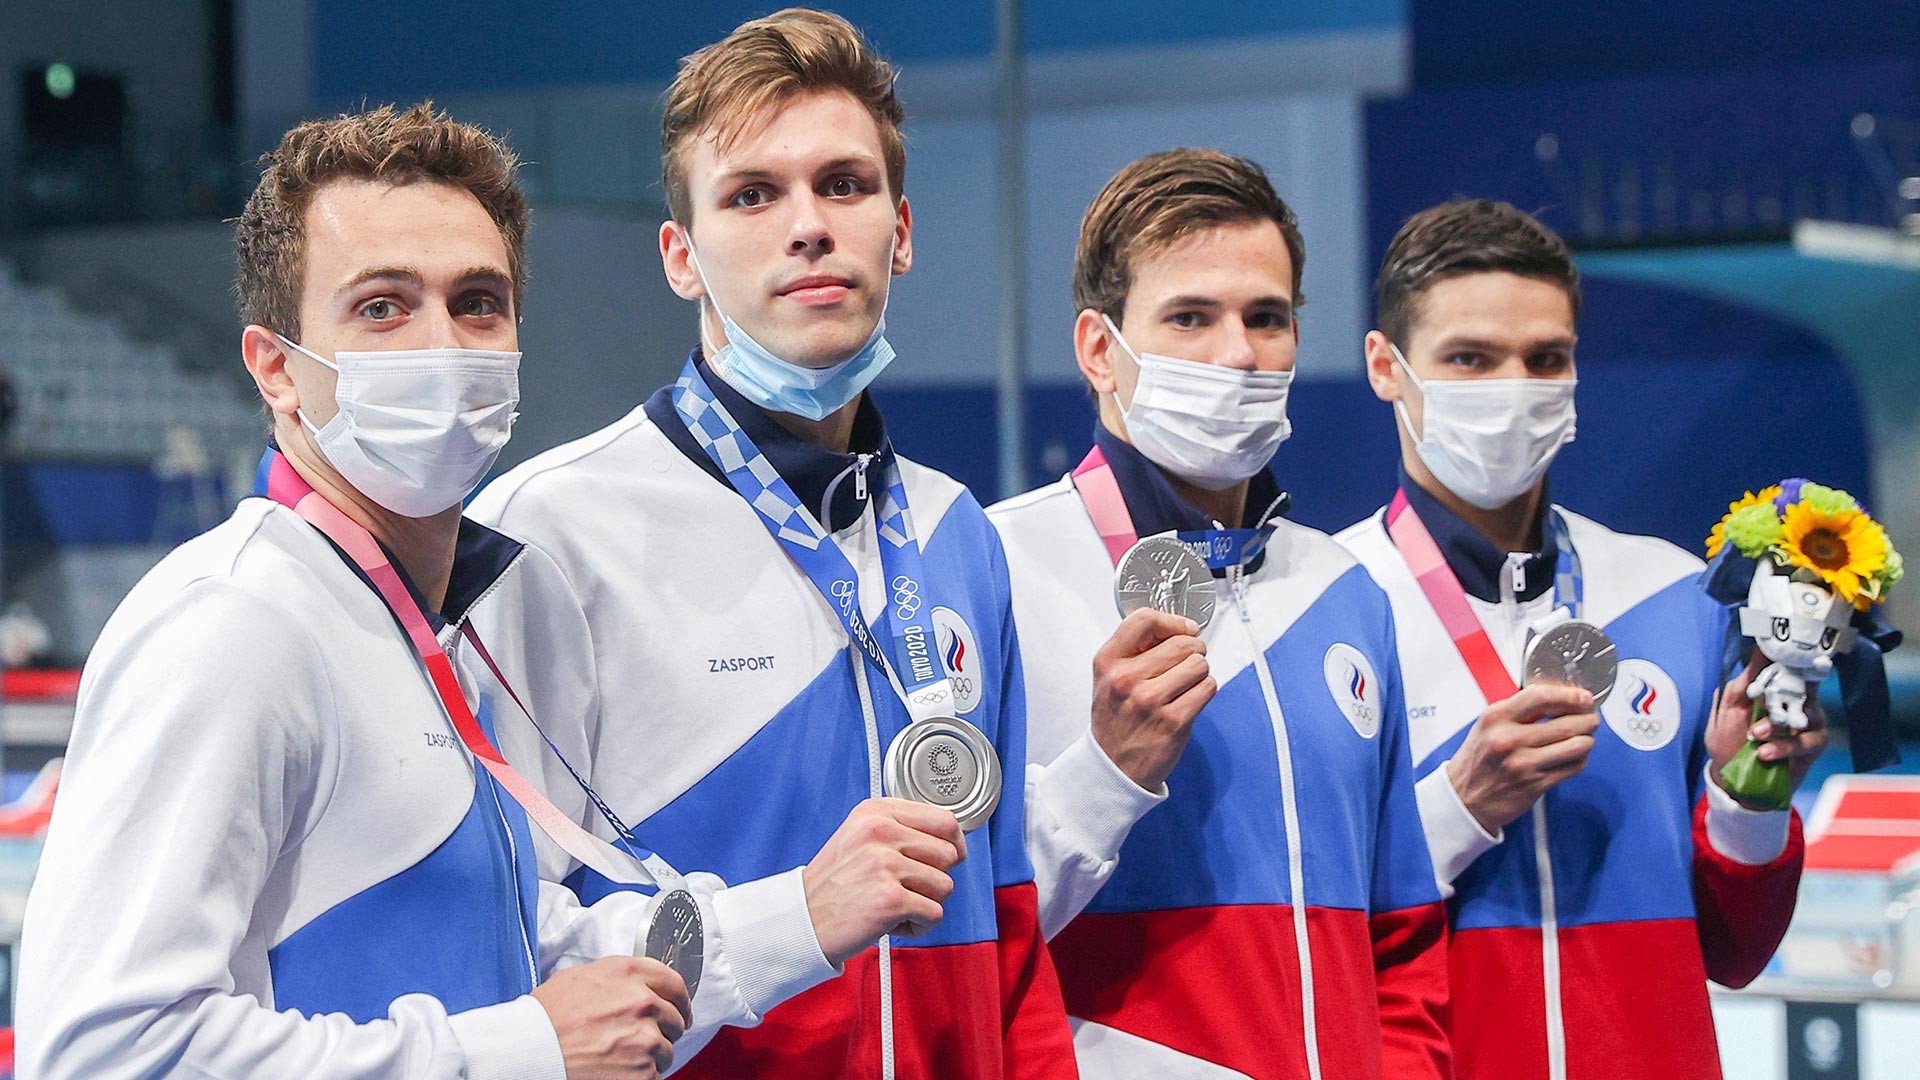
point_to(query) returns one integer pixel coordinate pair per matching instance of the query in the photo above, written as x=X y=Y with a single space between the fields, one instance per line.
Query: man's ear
x=266 y=360
x=676 y=261
x=903 y=240
x=1383 y=370
x=1093 y=349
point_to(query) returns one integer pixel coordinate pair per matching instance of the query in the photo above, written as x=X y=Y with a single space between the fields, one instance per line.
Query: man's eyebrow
x=1190 y=301
x=1274 y=301
x=851 y=160
x=489 y=275
x=1478 y=344
x=755 y=172
x=382 y=273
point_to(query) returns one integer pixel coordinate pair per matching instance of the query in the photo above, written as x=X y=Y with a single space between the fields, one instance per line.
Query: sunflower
x=1717 y=539
x=1843 y=547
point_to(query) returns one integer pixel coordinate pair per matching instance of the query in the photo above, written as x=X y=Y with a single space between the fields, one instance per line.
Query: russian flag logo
x=1643 y=698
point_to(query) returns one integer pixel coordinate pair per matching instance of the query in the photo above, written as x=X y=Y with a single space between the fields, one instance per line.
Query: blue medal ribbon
x=1222 y=548
x=1569 y=590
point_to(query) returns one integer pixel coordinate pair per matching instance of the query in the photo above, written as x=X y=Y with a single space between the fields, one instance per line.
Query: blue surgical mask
x=779 y=386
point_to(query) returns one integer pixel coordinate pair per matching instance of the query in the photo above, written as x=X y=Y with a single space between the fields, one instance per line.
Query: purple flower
x=1789 y=494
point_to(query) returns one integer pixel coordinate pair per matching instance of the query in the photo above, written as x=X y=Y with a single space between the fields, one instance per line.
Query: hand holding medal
x=1150 y=680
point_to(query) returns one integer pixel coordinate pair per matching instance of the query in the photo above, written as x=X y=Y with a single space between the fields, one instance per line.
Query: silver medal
x=1164 y=573
x=1575 y=653
x=676 y=937
x=946 y=762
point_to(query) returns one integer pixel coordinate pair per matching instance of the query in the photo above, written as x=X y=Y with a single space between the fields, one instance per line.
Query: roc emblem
x=1644 y=708
x=961 y=655
x=1355 y=688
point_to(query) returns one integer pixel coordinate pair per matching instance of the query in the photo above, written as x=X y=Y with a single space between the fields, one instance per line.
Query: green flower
x=1754 y=529
x=1827 y=500
x=1896 y=567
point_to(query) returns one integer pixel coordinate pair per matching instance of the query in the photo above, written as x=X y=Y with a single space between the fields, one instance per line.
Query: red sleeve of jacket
x=1742 y=911
x=1410 y=969
x=1035 y=1037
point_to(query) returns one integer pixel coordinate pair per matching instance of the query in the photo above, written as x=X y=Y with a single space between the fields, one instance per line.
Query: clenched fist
x=884 y=870
x=1149 y=681
x=617 y=1018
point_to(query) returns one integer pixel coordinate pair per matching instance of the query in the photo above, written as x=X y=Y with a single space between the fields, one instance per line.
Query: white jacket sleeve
x=1080 y=808
x=1455 y=838
x=760 y=944
x=200 y=757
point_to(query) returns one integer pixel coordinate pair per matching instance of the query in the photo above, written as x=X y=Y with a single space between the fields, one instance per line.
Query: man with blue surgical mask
x=1221 y=817
x=787 y=652
x=1564 y=687
x=285 y=843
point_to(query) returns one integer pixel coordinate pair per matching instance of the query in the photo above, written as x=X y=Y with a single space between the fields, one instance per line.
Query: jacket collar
x=1156 y=507
x=1473 y=558
x=480 y=557
x=817 y=475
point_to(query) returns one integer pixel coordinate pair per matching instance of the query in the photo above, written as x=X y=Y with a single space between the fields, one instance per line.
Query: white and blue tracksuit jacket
x=271 y=855
x=711 y=696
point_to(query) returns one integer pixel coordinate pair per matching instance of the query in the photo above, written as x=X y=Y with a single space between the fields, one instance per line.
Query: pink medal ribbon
x=1449 y=599
x=1093 y=478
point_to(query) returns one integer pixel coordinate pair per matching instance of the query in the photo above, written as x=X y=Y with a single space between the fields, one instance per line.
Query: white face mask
x=1212 y=425
x=1489 y=440
x=417 y=429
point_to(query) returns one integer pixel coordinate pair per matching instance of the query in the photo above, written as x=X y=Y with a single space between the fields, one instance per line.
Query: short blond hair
x=728 y=85
x=385 y=144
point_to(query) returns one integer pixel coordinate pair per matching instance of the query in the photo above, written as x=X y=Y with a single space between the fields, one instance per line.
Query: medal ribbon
x=923 y=680
x=1093 y=478
x=286 y=487
x=1449 y=598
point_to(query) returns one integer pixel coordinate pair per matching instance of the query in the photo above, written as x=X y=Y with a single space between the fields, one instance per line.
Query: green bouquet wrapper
x=1761 y=784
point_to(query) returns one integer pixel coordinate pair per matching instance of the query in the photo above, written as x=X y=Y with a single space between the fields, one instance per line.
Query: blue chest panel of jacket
x=455 y=925
x=1220 y=838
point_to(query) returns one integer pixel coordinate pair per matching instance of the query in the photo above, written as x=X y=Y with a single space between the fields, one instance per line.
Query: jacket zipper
x=1290 y=815
x=513 y=863
x=860 y=463
x=875 y=790
x=1511 y=583
x=513 y=855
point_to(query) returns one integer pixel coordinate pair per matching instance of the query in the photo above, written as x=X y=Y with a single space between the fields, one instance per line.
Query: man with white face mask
x=787 y=650
x=285 y=844
x=1599 y=875
x=1223 y=814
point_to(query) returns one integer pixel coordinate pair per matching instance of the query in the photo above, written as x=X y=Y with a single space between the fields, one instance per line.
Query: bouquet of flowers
x=1819 y=563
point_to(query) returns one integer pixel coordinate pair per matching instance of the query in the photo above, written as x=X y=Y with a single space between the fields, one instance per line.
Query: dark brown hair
x=728 y=85
x=1467 y=236
x=1162 y=199
x=421 y=144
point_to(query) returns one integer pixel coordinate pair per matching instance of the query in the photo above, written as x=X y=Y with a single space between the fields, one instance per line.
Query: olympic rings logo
x=845 y=591
x=906 y=597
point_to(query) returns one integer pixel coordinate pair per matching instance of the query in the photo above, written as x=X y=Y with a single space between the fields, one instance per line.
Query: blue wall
x=1778 y=131
x=1493 y=41
x=436 y=47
